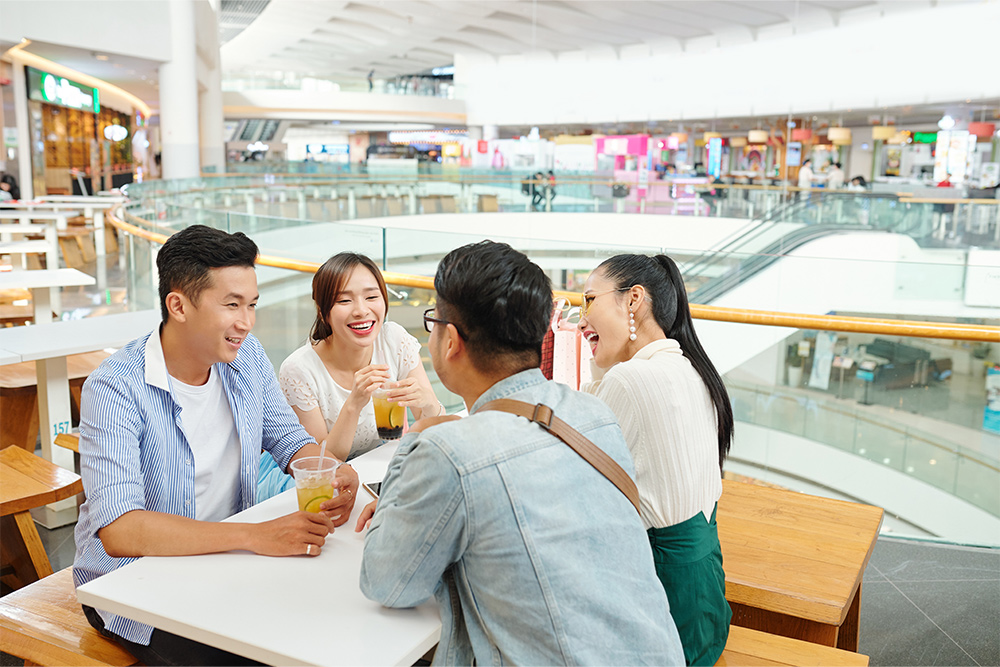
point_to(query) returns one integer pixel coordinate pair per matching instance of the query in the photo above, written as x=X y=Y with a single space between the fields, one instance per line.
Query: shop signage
x=483 y=146
x=52 y=89
x=924 y=137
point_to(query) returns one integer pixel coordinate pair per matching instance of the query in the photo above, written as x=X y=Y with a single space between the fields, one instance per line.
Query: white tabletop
x=59 y=339
x=298 y=610
x=18 y=213
x=106 y=201
x=8 y=357
x=44 y=278
x=18 y=247
x=34 y=205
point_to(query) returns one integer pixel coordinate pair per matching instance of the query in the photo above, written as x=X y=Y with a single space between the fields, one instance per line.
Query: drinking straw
x=322 y=455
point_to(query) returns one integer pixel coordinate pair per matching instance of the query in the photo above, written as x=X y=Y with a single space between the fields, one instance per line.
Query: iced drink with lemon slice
x=314 y=481
x=389 y=416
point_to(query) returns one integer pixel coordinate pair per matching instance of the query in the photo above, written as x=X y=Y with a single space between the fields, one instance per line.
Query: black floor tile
x=967 y=611
x=895 y=632
x=904 y=560
x=59 y=545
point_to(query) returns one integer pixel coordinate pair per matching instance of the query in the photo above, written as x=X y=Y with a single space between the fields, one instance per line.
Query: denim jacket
x=533 y=555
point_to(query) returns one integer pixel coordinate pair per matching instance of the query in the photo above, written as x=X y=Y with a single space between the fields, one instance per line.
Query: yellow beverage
x=389 y=418
x=311 y=497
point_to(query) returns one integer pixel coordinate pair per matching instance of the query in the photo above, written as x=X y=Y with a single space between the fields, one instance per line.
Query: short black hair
x=500 y=301
x=186 y=258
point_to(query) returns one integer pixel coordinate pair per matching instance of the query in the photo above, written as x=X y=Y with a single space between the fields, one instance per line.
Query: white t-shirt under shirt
x=207 y=421
x=308 y=385
x=668 y=420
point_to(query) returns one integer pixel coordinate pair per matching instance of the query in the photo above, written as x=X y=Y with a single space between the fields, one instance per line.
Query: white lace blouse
x=308 y=385
x=668 y=420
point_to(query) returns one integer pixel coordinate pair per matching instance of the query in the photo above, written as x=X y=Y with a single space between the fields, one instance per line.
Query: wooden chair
x=44 y=624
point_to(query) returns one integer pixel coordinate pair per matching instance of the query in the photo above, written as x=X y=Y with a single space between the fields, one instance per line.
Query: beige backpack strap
x=594 y=455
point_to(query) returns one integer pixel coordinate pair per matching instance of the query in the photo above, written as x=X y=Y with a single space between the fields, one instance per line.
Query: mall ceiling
x=341 y=39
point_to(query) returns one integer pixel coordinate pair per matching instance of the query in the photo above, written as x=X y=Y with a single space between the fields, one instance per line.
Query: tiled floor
x=931 y=604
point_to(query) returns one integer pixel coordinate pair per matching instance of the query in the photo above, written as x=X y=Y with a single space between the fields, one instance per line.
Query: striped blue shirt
x=134 y=454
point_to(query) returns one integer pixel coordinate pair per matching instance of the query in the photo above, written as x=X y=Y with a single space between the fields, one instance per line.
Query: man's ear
x=177 y=306
x=455 y=345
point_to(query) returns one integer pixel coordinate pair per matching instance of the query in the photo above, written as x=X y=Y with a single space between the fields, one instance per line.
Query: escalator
x=794 y=224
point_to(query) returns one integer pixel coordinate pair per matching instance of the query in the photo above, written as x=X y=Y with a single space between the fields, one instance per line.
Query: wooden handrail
x=885 y=327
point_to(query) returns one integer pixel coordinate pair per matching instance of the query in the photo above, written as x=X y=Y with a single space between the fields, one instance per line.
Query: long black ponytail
x=663 y=282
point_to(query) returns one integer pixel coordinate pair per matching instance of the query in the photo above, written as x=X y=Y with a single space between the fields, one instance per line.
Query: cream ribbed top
x=668 y=420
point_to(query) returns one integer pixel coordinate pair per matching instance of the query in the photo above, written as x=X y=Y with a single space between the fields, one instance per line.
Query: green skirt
x=688 y=561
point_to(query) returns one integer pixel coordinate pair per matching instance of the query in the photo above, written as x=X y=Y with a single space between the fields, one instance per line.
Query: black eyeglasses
x=430 y=321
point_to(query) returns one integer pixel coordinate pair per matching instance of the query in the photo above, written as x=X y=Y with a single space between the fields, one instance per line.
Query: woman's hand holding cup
x=366 y=381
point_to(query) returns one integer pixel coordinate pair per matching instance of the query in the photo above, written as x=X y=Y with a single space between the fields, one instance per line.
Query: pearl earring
x=631 y=325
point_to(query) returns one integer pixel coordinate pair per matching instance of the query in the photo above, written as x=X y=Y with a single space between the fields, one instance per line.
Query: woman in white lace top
x=352 y=350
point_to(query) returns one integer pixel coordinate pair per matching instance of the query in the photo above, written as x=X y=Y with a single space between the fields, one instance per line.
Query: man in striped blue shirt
x=171 y=430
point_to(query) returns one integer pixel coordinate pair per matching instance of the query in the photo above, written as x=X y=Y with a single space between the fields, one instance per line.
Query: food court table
x=48 y=345
x=295 y=610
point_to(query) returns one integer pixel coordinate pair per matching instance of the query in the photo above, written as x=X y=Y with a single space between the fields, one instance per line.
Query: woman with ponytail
x=677 y=420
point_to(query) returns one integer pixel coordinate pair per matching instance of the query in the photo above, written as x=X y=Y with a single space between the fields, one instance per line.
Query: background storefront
x=77 y=143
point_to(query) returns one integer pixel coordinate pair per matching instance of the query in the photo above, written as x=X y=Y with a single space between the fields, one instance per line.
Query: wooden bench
x=44 y=624
x=794 y=562
x=753 y=647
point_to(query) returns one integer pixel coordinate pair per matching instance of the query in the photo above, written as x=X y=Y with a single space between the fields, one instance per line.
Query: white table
x=93 y=210
x=25 y=213
x=8 y=357
x=42 y=283
x=282 y=611
x=48 y=247
x=48 y=346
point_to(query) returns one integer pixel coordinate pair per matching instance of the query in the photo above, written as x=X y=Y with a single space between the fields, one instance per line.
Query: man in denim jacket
x=534 y=556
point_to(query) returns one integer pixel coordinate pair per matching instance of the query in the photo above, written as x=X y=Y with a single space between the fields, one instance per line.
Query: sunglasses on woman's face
x=588 y=298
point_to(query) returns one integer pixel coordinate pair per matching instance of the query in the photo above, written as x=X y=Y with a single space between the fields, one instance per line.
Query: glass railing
x=942 y=388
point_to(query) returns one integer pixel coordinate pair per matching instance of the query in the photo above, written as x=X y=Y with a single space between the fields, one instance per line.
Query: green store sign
x=52 y=89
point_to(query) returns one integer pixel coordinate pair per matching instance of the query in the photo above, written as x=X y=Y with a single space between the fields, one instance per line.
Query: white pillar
x=490 y=132
x=179 y=96
x=210 y=116
x=21 y=120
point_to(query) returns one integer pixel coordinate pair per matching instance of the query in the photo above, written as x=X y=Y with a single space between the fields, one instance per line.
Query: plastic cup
x=314 y=481
x=389 y=416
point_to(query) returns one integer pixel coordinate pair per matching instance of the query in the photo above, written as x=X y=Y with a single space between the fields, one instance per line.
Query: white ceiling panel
x=402 y=37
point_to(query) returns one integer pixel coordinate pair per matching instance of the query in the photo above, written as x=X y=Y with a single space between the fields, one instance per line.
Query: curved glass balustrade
x=926 y=425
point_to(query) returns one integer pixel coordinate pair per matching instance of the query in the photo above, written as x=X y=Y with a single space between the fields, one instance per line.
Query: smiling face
x=358 y=309
x=605 y=326
x=219 y=319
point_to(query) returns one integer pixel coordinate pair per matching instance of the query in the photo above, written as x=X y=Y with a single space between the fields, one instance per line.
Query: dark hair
x=663 y=282
x=15 y=191
x=806 y=161
x=837 y=165
x=185 y=260
x=500 y=300
x=861 y=181
x=329 y=282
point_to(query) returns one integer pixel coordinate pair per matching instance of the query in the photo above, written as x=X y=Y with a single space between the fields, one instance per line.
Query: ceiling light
x=883 y=132
x=838 y=134
x=946 y=122
x=757 y=136
x=101 y=56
